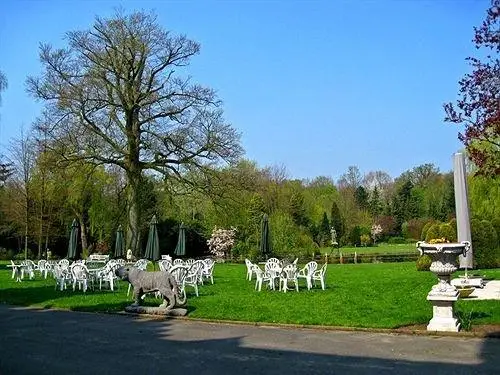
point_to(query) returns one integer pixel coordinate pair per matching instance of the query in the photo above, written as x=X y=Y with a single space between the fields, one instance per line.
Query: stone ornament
x=443 y=295
x=146 y=282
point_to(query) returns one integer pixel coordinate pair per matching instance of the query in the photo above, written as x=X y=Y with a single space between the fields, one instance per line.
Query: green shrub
x=396 y=240
x=447 y=231
x=404 y=230
x=365 y=240
x=432 y=232
x=485 y=246
x=355 y=236
x=6 y=254
x=413 y=228
x=426 y=228
x=423 y=263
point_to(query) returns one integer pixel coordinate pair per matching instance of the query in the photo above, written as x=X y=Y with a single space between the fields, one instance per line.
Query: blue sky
x=315 y=86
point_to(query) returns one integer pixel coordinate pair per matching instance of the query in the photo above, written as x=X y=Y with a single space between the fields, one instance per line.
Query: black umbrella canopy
x=119 y=243
x=153 y=245
x=265 y=238
x=180 y=249
x=73 y=240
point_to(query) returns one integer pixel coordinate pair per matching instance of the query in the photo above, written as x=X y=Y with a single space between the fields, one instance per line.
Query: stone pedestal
x=155 y=310
x=443 y=318
x=443 y=295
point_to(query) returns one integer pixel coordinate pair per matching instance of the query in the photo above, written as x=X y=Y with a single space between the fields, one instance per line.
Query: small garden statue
x=159 y=281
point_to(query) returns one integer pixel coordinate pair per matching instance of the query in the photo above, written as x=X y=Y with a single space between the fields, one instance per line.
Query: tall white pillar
x=462 y=207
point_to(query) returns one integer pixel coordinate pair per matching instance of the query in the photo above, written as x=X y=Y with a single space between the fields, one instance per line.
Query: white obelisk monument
x=462 y=207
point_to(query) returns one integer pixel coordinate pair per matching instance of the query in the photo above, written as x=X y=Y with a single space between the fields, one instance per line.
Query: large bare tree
x=117 y=95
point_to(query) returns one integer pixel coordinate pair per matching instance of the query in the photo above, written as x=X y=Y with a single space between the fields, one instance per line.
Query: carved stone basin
x=443 y=295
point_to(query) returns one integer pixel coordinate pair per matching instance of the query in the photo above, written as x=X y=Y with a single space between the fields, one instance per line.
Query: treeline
x=41 y=194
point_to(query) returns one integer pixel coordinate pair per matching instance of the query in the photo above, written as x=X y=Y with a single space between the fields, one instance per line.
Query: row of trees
x=40 y=199
x=124 y=133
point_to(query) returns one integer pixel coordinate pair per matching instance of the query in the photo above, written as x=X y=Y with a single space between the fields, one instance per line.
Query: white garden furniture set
x=285 y=275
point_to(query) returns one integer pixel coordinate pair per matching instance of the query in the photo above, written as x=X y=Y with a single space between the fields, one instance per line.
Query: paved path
x=490 y=291
x=61 y=342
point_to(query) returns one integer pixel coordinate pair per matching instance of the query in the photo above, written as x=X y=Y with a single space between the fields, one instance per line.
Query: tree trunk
x=26 y=226
x=134 y=176
x=83 y=235
x=83 y=230
x=134 y=213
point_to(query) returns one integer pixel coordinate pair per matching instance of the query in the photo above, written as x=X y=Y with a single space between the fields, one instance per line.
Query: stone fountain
x=443 y=295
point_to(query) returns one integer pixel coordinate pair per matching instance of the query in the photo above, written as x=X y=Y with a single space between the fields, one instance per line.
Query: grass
x=387 y=295
x=382 y=248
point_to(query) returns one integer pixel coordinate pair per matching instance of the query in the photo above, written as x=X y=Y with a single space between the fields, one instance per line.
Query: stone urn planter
x=443 y=295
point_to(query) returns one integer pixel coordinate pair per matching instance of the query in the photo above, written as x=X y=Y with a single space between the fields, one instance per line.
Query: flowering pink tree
x=376 y=230
x=221 y=241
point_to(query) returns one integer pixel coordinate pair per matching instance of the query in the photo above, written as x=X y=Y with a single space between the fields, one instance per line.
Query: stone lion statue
x=146 y=282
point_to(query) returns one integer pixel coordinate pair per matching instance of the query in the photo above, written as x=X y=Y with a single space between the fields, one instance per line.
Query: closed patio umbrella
x=153 y=245
x=180 y=249
x=265 y=238
x=73 y=240
x=119 y=243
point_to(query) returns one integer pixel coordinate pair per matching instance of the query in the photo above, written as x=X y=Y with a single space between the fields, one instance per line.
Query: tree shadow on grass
x=46 y=296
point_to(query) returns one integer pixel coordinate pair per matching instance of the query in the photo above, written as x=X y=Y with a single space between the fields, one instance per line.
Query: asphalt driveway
x=62 y=342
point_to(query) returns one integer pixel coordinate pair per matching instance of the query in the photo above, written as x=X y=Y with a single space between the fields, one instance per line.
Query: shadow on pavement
x=61 y=342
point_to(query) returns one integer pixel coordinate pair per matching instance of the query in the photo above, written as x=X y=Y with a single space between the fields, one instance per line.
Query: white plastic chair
x=64 y=263
x=164 y=265
x=289 y=275
x=307 y=272
x=28 y=267
x=319 y=275
x=80 y=275
x=260 y=276
x=42 y=268
x=62 y=276
x=192 y=277
x=179 y=262
x=249 y=265
x=16 y=271
x=107 y=275
x=121 y=262
x=273 y=269
x=208 y=269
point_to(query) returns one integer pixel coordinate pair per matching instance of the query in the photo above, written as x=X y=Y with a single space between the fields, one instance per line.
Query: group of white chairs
x=189 y=272
x=286 y=274
x=66 y=273
x=88 y=274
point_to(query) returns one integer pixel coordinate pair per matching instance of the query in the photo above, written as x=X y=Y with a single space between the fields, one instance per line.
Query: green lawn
x=362 y=295
x=381 y=249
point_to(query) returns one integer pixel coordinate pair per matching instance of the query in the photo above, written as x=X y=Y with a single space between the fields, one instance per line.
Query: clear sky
x=315 y=86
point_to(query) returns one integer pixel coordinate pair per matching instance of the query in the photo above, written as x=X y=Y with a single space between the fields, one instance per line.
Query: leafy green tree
x=362 y=197
x=119 y=87
x=351 y=179
x=337 y=221
x=375 y=206
x=485 y=244
x=297 y=209
x=355 y=236
x=324 y=231
x=484 y=199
